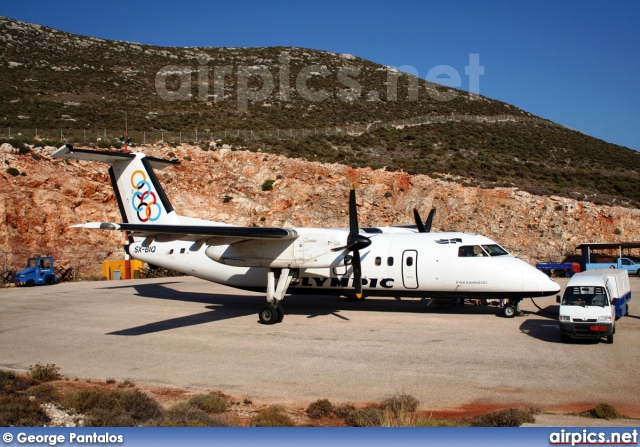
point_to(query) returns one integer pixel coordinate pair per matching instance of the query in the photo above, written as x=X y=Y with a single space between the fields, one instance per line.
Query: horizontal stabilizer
x=68 y=151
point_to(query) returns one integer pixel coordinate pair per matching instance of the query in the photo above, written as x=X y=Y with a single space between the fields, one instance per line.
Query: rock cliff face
x=223 y=185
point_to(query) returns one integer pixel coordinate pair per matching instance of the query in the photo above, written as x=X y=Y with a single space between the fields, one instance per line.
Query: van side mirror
x=558 y=299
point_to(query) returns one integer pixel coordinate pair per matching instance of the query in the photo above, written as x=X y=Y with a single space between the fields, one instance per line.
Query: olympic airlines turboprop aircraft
x=381 y=261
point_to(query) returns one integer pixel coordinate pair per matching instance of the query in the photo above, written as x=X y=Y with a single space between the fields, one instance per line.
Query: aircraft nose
x=538 y=283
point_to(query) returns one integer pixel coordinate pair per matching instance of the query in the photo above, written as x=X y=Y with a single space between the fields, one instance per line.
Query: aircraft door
x=410 y=269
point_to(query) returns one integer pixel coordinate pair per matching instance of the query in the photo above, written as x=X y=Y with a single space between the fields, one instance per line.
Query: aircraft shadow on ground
x=228 y=306
x=545 y=327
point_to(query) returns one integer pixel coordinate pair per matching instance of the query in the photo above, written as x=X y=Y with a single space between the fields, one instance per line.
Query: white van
x=591 y=302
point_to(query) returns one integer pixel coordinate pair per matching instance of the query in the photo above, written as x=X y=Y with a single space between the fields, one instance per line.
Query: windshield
x=31 y=263
x=495 y=250
x=468 y=251
x=585 y=296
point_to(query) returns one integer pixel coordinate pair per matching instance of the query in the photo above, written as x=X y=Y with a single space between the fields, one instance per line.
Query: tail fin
x=140 y=196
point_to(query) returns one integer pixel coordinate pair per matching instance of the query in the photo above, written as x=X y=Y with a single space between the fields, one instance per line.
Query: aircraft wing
x=194 y=232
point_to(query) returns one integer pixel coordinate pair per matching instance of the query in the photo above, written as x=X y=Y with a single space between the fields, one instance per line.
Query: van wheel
x=30 y=283
x=565 y=338
x=49 y=280
x=610 y=339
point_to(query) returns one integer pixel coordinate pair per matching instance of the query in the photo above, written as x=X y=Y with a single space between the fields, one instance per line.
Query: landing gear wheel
x=30 y=283
x=280 y=313
x=509 y=311
x=49 y=280
x=268 y=314
x=610 y=339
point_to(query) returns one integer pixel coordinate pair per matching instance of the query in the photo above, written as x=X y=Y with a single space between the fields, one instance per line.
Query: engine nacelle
x=306 y=251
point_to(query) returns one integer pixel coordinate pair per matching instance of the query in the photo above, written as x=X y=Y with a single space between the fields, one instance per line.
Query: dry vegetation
x=27 y=400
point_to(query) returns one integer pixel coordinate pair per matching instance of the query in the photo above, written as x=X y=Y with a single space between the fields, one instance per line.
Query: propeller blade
x=432 y=214
x=353 y=212
x=419 y=224
x=349 y=246
x=357 y=274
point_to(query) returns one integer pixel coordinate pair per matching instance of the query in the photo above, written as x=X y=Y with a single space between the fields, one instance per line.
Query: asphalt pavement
x=192 y=334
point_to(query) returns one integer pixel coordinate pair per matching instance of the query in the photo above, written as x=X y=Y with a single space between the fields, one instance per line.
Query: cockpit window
x=468 y=251
x=495 y=250
x=585 y=296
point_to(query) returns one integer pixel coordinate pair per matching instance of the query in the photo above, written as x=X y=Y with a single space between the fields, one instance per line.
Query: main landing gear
x=272 y=312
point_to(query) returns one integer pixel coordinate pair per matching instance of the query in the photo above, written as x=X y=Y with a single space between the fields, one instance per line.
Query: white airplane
x=407 y=261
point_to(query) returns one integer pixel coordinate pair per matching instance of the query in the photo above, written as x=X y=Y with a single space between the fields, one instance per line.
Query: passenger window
x=171 y=251
x=378 y=260
x=390 y=261
x=182 y=250
x=409 y=261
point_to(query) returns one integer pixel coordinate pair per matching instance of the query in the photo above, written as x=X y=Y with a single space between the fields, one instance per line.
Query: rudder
x=140 y=196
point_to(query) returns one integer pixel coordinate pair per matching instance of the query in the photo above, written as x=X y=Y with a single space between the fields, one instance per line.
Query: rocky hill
x=38 y=205
x=302 y=103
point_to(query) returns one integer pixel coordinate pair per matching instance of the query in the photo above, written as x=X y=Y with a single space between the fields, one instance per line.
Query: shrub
x=13 y=171
x=185 y=415
x=44 y=393
x=319 y=409
x=21 y=411
x=509 y=417
x=44 y=373
x=402 y=403
x=10 y=383
x=343 y=410
x=210 y=403
x=268 y=185
x=227 y=199
x=388 y=194
x=272 y=417
x=104 y=417
x=368 y=417
x=114 y=408
x=431 y=422
x=605 y=411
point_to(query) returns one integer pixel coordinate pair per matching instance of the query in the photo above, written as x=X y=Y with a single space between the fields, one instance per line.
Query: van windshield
x=585 y=296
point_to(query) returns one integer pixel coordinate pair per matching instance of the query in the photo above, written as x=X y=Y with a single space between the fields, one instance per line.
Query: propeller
x=355 y=243
x=424 y=228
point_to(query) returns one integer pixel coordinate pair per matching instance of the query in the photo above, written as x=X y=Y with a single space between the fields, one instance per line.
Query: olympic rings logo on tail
x=144 y=201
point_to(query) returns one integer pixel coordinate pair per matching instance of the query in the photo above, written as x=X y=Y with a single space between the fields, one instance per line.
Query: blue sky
x=575 y=62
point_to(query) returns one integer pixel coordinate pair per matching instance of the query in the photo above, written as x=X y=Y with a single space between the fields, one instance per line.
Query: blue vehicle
x=615 y=263
x=39 y=271
x=567 y=269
